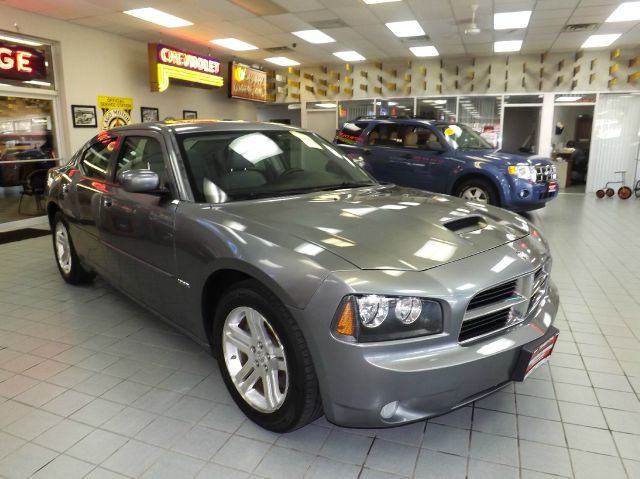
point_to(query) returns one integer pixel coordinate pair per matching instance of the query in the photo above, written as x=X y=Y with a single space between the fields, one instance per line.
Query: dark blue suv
x=448 y=158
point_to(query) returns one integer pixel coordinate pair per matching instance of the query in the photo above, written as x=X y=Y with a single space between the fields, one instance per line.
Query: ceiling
x=362 y=27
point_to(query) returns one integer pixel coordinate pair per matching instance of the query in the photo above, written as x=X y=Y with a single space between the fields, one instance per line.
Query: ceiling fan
x=472 y=28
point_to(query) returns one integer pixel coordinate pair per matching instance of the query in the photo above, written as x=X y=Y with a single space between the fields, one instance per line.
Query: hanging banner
x=167 y=63
x=247 y=83
x=116 y=111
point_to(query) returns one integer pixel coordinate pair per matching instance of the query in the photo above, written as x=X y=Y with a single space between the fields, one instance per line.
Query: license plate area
x=534 y=355
x=552 y=187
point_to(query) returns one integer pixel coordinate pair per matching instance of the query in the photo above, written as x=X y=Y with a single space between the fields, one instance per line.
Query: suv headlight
x=372 y=317
x=523 y=171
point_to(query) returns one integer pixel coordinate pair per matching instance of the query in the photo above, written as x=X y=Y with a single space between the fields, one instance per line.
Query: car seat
x=410 y=140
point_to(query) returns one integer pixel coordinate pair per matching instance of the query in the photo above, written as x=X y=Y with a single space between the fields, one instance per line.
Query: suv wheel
x=67 y=260
x=479 y=191
x=264 y=359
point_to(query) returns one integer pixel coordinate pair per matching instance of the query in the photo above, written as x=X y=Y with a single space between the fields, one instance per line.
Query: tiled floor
x=93 y=386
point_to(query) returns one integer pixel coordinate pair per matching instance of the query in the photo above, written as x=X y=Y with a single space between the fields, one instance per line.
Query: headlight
x=372 y=317
x=523 y=171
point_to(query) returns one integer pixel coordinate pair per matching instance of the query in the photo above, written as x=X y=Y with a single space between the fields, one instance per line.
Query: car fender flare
x=479 y=173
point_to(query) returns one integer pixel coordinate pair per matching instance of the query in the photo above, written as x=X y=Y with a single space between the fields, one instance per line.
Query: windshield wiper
x=346 y=184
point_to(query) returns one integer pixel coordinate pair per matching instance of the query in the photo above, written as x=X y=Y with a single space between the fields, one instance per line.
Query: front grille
x=540 y=280
x=493 y=295
x=545 y=173
x=484 y=324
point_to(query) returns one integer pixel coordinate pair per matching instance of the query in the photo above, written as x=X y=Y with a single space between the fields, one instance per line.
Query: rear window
x=350 y=133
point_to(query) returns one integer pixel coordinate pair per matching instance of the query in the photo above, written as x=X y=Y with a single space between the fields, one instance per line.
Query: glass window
x=95 y=161
x=461 y=137
x=350 y=133
x=395 y=107
x=245 y=164
x=523 y=99
x=385 y=134
x=421 y=137
x=482 y=113
x=351 y=110
x=25 y=62
x=141 y=153
x=439 y=108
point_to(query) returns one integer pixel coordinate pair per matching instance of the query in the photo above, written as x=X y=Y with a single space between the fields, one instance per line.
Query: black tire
x=302 y=403
x=75 y=273
x=624 y=192
x=610 y=192
x=600 y=194
x=479 y=183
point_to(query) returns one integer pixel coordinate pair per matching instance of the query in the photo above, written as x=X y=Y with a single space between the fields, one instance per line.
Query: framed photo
x=189 y=115
x=148 y=114
x=84 y=116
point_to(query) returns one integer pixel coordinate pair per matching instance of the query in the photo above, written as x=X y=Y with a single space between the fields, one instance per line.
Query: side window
x=95 y=161
x=385 y=134
x=350 y=133
x=142 y=153
x=423 y=138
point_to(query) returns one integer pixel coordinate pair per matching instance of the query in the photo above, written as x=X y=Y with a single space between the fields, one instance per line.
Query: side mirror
x=139 y=181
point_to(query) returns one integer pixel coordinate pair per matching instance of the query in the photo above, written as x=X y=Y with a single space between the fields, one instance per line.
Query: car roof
x=404 y=121
x=195 y=126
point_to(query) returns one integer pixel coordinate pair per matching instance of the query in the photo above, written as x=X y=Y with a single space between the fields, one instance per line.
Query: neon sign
x=21 y=63
x=166 y=63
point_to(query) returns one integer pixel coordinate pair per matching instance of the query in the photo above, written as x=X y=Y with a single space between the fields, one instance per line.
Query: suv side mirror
x=139 y=181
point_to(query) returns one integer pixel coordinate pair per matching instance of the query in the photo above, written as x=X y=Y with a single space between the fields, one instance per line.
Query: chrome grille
x=503 y=305
x=545 y=173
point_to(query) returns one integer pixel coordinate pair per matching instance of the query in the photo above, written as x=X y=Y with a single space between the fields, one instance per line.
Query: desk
x=564 y=171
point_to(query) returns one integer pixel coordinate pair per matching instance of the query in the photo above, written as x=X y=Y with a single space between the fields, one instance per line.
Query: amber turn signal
x=345 y=324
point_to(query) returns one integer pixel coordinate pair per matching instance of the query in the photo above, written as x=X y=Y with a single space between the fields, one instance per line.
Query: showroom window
x=395 y=107
x=350 y=110
x=441 y=108
x=483 y=114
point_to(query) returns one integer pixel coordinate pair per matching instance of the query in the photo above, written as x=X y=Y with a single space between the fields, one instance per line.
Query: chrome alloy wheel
x=477 y=194
x=63 y=247
x=255 y=359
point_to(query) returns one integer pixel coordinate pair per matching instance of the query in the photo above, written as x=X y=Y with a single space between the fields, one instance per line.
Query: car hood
x=387 y=227
x=507 y=158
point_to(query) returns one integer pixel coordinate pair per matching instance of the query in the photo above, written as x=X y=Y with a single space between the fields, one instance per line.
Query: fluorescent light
x=507 y=46
x=314 y=36
x=409 y=28
x=282 y=61
x=429 y=51
x=158 y=17
x=36 y=82
x=20 y=40
x=349 y=56
x=375 y=2
x=595 y=41
x=626 y=12
x=234 y=44
x=568 y=98
x=326 y=105
x=508 y=20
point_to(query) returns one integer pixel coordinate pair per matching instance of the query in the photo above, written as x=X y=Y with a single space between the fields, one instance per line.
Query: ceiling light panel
x=597 y=41
x=314 y=36
x=349 y=56
x=234 y=44
x=410 y=28
x=282 y=61
x=626 y=12
x=426 y=51
x=507 y=46
x=375 y=2
x=509 y=20
x=21 y=41
x=158 y=17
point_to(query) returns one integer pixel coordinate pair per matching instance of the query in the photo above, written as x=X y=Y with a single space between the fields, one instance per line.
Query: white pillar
x=546 y=125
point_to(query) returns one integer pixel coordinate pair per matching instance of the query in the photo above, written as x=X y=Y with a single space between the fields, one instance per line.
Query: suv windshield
x=462 y=137
x=238 y=165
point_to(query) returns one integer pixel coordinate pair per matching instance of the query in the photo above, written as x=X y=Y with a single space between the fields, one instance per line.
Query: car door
x=384 y=155
x=427 y=157
x=87 y=189
x=138 y=228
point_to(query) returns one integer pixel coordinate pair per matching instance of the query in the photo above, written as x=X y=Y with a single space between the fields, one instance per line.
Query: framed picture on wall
x=189 y=115
x=84 y=116
x=149 y=114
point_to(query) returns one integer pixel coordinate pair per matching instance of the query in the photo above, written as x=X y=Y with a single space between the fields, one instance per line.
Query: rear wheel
x=67 y=260
x=264 y=359
x=624 y=193
x=600 y=194
x=478 y=190
x=610 y=192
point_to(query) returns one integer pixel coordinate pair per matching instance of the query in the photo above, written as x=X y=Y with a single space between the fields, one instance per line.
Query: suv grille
x=545 y=173
x=503 y=306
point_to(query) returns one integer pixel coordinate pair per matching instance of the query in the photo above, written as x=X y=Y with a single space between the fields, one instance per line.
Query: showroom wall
x=90 y=62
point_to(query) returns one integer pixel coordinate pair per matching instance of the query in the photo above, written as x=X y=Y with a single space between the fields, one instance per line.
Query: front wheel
x=478 y=190
x=264 y=359
x=67 y=260
x=624 y=193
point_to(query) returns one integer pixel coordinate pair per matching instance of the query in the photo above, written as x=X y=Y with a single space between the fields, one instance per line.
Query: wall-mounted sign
x=246 y=82
x=167 y=63
x=21 y=63
x=116 y=111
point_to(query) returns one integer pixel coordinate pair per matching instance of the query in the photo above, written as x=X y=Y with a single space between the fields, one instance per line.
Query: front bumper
x=537 y=195
x=425 y=376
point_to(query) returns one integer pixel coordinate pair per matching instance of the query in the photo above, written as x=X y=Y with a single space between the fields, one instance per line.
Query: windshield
x=462 y=137
x=238 y=165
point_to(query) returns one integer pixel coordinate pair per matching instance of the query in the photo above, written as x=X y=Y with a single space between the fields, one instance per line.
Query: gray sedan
x=317 y=288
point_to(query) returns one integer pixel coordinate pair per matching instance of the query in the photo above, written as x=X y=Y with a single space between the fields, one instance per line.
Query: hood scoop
x=466 y=224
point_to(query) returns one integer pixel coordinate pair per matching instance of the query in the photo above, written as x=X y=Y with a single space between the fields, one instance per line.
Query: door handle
x=107 y=201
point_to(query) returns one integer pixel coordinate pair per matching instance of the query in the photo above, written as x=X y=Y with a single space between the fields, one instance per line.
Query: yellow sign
x=116 y=111
x=166 y=63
